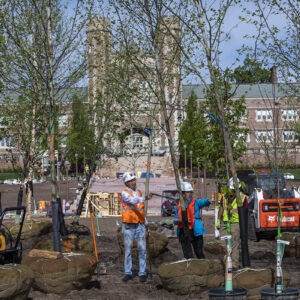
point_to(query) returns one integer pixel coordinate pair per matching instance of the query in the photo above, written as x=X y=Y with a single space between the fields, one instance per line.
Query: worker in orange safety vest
x=193 y=206
x=133 y=226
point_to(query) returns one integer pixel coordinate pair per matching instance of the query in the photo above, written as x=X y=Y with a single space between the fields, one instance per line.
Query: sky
x=238 y=30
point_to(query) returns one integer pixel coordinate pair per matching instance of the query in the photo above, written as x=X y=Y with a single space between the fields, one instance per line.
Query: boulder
x=214 y=247
x=156 y=243
x=31 y=229
x=191 y=275
x=73 y=271
x=15 y=282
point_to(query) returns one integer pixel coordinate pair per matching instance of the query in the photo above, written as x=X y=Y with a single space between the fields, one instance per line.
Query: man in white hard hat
x=228 y=219
x=133 y=226
x=193 y=206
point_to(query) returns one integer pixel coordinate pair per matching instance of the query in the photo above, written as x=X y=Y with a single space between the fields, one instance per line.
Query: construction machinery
x=11 y=248
x=263 y=207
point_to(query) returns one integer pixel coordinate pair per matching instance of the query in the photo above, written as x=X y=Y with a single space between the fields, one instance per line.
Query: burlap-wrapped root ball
x=75 y=244
x=256 y=279
x=15 y=282
x=214 y=247
x=73 y=271
x=156 y=243
x=191 y=276
x=31 y=229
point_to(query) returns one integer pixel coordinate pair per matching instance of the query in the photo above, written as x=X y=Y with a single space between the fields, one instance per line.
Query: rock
x=31 y=229
x=214 y=247
x=15 y=282
x=191 y=275
x=60 y=276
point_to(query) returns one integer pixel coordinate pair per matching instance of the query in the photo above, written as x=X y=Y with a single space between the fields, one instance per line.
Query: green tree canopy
x=80 y=133
x=251 y=72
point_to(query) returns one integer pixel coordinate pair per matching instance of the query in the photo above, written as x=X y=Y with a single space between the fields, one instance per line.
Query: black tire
x=252 y=234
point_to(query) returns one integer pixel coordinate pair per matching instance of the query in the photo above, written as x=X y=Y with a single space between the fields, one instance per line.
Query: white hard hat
x=186 y=187
x=127 y=176
x=230 y=183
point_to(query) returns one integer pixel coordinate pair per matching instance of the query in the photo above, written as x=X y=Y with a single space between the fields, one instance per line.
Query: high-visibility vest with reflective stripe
x=190 y=213
x=132 y=213
x=234 y=214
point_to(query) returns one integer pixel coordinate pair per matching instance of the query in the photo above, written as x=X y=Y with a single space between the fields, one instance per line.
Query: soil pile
x=214 y=247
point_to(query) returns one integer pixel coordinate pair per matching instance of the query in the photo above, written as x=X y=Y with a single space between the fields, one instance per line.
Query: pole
x=199 y=190
x=84 y=172
x=184 y=146
x=148 y=167
x=67 y=190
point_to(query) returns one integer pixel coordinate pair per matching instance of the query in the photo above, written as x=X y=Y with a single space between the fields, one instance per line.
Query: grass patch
x=5 y=176
x=295 y=172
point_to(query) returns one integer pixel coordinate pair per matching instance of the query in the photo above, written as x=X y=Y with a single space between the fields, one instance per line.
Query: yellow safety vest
x=234 y=214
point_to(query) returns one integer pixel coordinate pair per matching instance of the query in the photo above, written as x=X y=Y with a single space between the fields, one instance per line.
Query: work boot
x=143 y=278
x=127 y=277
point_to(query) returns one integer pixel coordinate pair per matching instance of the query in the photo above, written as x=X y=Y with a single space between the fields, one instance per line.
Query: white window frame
x=264 y=115
x=289 y=114
x=246 y=138
x=290 y=134
x=6 y=142
x=137 y=141
x=267 y=134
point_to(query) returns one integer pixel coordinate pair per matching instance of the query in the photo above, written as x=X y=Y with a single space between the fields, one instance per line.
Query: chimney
x=273 y=78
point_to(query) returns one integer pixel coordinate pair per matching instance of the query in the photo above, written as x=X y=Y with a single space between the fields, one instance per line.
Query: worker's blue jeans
x=134 y=232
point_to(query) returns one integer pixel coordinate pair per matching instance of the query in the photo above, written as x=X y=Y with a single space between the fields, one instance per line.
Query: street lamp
x=191 y=155
x=67 y=164
x=184 y=146
x=84 y=174
x=76 y=157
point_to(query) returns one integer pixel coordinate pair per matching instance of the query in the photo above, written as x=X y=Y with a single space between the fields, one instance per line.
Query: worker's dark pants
x=197 y=242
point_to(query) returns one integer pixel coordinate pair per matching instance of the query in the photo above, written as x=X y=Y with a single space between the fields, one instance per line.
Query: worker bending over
x=133 y=226
x=228 y=212
x=196 y=228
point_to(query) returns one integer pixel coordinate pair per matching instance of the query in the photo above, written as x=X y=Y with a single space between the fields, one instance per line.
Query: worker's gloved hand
x=218 y=225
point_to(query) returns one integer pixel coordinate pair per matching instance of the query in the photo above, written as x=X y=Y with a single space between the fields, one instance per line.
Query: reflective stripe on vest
x=234 y=213
x=190 y=213
x=132 y=213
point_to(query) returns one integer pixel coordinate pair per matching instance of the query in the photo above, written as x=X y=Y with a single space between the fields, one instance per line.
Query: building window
x=288 y=136
x=245 y=137
x=289 y=115
x=7 y=142
x=63 y=141
x=171 y=100
x=264 y=136
x=63 y=120
x=264 y=115
x=137 y=142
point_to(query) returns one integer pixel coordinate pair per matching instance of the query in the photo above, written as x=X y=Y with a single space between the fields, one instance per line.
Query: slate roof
x=64 y=96
x=255 y=91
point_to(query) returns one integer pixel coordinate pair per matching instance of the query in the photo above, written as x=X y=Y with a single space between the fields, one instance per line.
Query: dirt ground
x=262 y=255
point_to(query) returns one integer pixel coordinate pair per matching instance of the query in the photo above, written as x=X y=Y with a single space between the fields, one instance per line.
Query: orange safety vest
x=132 y=213
x=190 y=212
